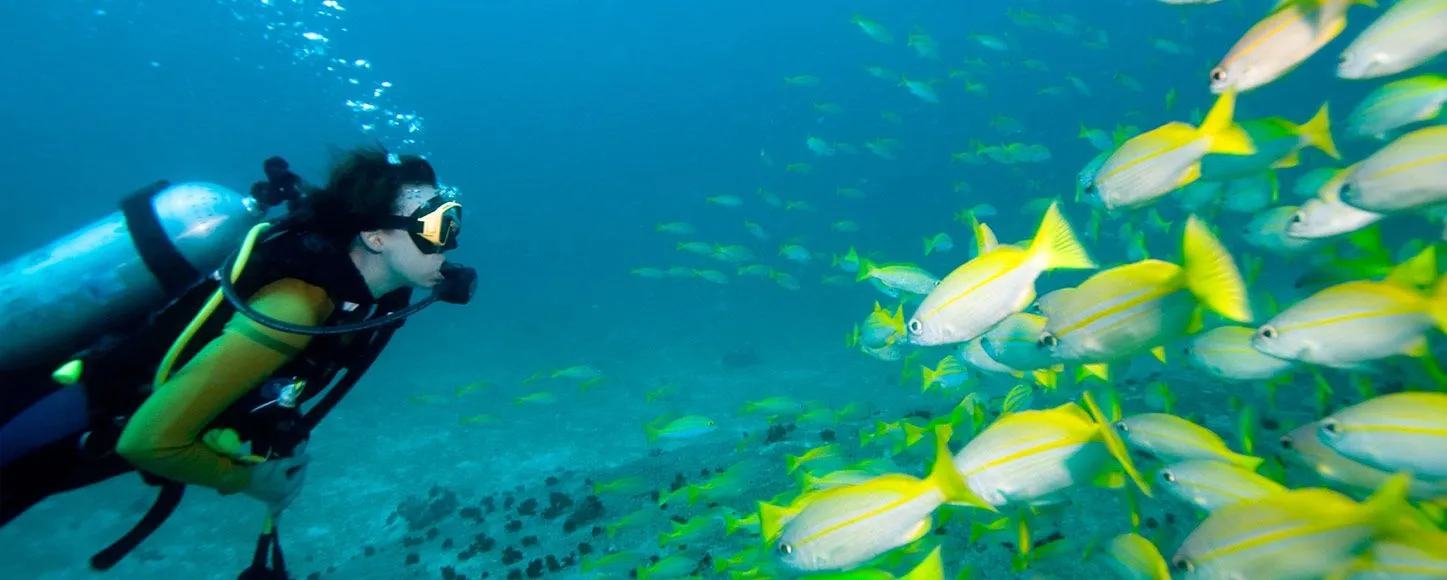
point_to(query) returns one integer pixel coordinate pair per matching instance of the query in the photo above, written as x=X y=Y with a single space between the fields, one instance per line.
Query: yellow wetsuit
x=164 y=436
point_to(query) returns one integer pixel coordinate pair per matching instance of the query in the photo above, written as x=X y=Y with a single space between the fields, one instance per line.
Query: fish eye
x=915 y=326
x=1218 y=74
x=1287 y=442
x=785 y=549
x=1331 y=426
x=1047 y=341
x=1167 y=476
x=1267 y=332
x=1122 y=426
x=1297 y=218
x=711 y=423
x=1183 y=563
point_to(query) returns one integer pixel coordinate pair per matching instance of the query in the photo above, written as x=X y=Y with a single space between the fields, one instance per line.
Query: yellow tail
x=1419 y=271
x=1114 y=443
x=1226 y=136
x=1211 y=274
x=931 y=568
x=1056 y=245
x=1317 y=133
x=1437 y=304
x=772 y=519
x=1388 y=509
x=866 y=270
x=946 y=478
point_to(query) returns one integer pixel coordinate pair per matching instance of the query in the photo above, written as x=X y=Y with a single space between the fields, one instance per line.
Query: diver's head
x=398 y=220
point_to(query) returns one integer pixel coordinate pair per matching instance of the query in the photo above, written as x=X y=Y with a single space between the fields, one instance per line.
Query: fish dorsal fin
x=1290 y=160
x=985 y=239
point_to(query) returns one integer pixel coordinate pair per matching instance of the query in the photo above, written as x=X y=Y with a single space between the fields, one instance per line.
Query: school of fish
x=1047 y=317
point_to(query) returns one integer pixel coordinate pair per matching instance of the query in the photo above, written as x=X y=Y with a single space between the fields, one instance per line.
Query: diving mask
x=434 y=226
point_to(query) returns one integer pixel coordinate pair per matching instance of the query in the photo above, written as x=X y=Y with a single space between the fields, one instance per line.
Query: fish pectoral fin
x=1291 y=160
x=1190 y=175
x=920 y=530
x=1160 y=353
x=1418 y=348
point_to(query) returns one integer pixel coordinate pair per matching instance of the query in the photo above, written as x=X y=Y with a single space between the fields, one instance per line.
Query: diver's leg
x=63 y=413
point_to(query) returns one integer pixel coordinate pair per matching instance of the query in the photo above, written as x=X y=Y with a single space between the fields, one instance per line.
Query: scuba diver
x=220 y=381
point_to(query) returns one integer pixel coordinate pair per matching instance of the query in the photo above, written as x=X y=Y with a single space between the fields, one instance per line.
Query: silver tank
x=59 y=299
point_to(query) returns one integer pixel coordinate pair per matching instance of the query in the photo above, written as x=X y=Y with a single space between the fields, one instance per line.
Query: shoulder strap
x=360 y=358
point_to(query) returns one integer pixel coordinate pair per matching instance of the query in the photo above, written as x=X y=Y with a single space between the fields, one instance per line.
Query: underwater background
x=573 y=130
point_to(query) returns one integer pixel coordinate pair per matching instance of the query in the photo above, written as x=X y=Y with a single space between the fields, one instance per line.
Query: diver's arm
x=164 y=436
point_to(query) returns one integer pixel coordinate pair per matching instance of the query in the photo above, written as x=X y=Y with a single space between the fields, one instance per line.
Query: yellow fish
x=1000 y=282
x=1154 y=163
x=1293 y=32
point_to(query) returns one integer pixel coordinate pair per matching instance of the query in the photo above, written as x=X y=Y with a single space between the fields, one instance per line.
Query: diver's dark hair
x=364 y=184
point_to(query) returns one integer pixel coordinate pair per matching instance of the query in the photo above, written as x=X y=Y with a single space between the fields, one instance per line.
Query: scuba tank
x=111 y=274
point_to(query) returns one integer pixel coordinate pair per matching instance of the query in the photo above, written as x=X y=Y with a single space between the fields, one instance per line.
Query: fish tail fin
x=928 y=247
x=651 y=433
x=1316 y=132
x=772 y=519
x=928 y=376
x=1416 y=272
x=1246 y=426
x=930 y=568
x=1021 y=560
x=1211 y=274
x=1055 y=243
x=866 y=270
x=1047 y=379
x=1096 y=370
x=1114 y=443
x=912 y=434
x=1226 y=136
x=1389 y=510
x=1437 y=304
x=946 y=478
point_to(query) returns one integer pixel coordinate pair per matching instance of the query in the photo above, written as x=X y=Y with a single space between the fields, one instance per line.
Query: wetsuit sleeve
x=164 y=437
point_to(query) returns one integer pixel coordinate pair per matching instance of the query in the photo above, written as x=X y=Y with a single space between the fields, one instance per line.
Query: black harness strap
x=359 y=360
x=161 y=257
